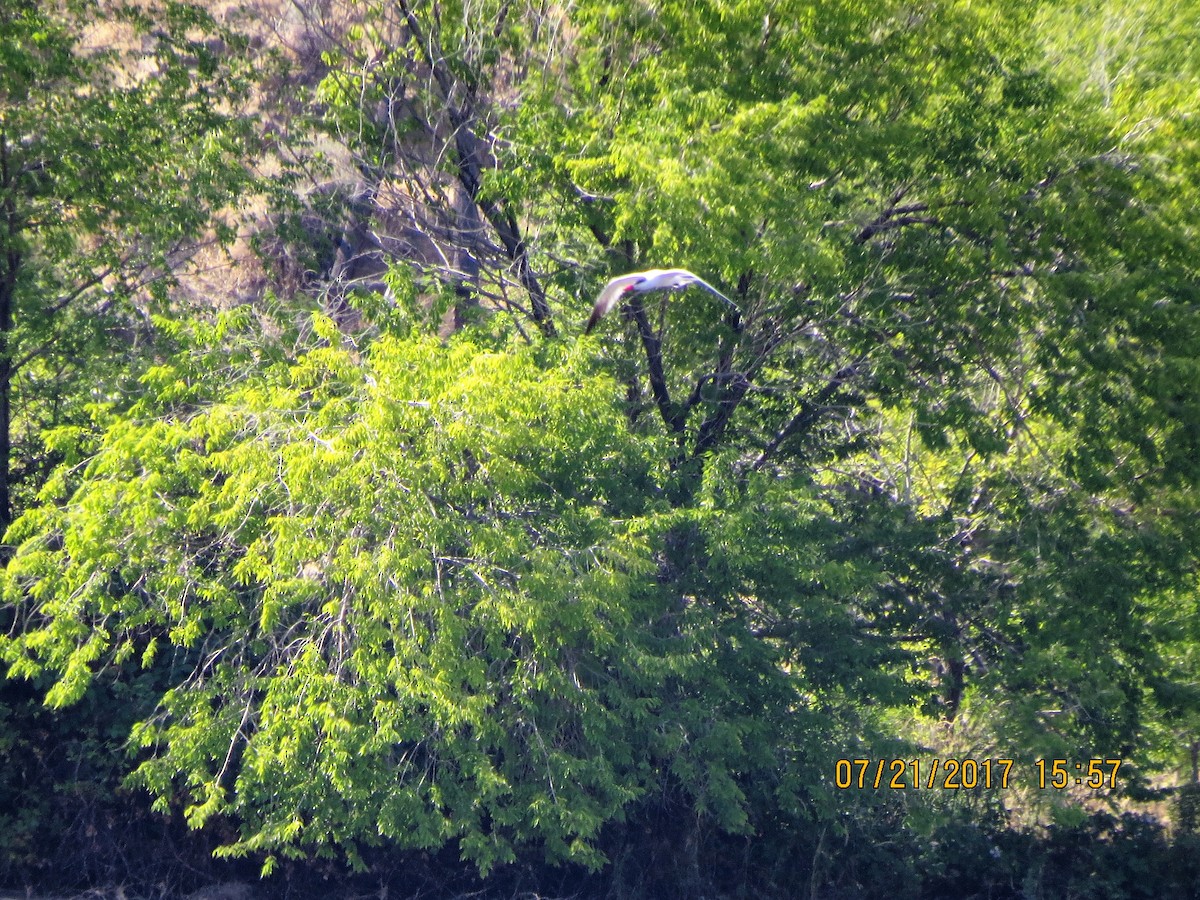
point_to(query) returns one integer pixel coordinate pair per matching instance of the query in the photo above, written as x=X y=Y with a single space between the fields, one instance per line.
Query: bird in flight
x=642 y=282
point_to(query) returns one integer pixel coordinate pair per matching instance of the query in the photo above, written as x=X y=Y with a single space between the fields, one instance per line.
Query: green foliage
x=953 y=289
x=415 y=600
x=119 y=144
x=115 y=156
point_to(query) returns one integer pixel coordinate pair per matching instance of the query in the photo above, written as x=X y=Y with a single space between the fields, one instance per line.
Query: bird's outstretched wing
x=610 y=295
x=712 y=290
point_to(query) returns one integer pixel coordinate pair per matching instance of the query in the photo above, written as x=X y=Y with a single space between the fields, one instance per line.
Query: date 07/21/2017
x=968 y=774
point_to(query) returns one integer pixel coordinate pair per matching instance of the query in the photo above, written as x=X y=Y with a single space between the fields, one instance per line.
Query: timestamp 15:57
x=1059 y=773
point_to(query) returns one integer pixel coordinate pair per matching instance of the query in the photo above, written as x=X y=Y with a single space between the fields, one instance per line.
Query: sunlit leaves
x=439 y=595
x=121 y=148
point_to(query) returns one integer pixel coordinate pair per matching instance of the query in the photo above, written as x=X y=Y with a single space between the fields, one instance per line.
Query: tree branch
x=652 y=344
x=466 y=144
x=810 y=410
